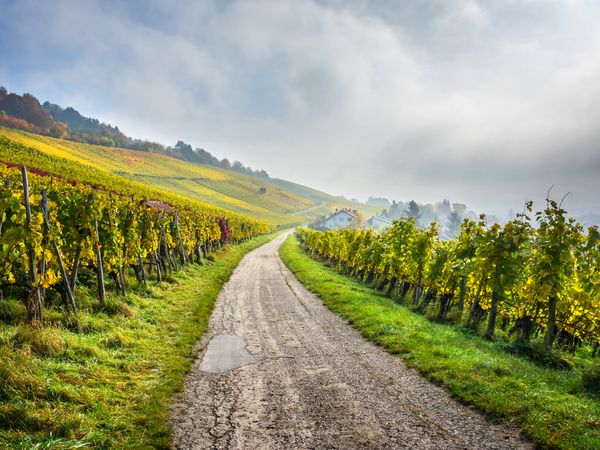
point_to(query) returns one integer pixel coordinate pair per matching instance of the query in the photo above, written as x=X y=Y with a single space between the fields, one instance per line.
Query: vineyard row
x=531 y=278
x=51 y=230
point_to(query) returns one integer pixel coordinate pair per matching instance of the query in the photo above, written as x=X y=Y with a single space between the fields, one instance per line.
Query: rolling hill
x=272 y=200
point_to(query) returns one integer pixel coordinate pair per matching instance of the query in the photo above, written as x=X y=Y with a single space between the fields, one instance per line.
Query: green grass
x=551 y=405
x=106 y=378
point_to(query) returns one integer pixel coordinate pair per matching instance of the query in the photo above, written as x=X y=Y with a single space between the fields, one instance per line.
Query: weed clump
x=17 y=376
x=12 y=311
x=117 y=340
x=41 y=420
x=590 y=378
x=85 y=323
x=43 y=342
x=114 y=307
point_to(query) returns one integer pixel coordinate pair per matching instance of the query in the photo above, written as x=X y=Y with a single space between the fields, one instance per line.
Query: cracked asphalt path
x=316 y=383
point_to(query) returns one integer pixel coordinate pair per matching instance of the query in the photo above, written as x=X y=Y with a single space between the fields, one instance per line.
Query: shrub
x=538 y=354
x=590 y=379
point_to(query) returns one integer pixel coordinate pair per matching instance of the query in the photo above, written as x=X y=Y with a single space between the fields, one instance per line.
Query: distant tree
x=204 y=157
x=460 y=208
x=358 y=221
x=378 y=201
x=59 y=130
x=106 y=141
x=444 y=207
x=262 y=190
x=454 y=221
x=428 y=214
x=20 y=124
x=225 y=164
x=413 y=210
x=396 y=210
x=27 y=108
x=147 y=146
x=183 y=147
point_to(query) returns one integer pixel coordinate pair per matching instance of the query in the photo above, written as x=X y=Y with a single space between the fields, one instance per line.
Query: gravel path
x=307 y=380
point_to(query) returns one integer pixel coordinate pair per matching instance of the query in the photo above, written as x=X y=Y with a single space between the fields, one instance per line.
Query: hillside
x=273 y=200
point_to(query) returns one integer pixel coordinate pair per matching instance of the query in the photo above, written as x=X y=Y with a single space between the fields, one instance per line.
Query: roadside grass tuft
x=12 y=311
x=114 y=306
x=43 y=342
x=554 y=404
x=105 y=378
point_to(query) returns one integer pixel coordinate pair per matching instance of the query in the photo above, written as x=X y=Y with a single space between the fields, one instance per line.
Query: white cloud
x=460 y=13
x=481 y=101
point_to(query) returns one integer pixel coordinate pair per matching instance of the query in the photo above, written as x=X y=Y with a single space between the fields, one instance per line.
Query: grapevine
x=530 y=279
x=50 y=228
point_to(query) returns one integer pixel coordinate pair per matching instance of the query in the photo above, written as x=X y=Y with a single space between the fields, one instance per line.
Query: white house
x=379 y=222
x=340 y=219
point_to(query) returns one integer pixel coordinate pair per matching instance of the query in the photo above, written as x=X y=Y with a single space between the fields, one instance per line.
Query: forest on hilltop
x=25 y=112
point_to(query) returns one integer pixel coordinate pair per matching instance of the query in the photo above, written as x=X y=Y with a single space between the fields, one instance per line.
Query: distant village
x=350 y=218
x=448 y=216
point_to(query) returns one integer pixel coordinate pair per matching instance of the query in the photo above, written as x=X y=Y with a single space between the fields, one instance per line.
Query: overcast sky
x=482 y=102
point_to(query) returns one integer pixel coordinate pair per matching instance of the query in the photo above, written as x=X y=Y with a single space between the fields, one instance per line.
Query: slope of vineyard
x=52 y=227
x=272 y=200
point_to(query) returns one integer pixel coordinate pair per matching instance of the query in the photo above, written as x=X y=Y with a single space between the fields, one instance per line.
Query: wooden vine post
x=34 y=294
x=76 y=261
x=6 y=185
x=99 y=268
x=182 y=251
x=70 y=297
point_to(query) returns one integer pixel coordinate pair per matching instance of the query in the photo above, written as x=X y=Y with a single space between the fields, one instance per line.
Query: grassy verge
x=550 y=405
x=105 y=379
